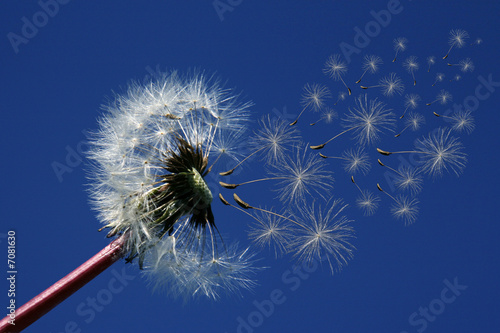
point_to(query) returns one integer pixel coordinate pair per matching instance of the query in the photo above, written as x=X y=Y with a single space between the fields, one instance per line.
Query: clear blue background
x=52 y=88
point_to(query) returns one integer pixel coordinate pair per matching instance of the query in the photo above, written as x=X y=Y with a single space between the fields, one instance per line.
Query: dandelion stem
x=336 y=136
x=362 y=76
x=65 y=287
x=231 y=186
x=227 y=173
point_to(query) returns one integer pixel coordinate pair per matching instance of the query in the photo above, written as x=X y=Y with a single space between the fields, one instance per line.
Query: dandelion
x=465 y=65
x=366 y=201
x=411 y=65
x=327 y=115
x=407 y=178
x=399 y=44
x=326 y=234
x=403 y=207
x=367 y=120
x=411 y=102
x=390 y=85
x=147 y=186
x=461 y=120
x=413 y=122
x=439 y=151
x=457 y=39
x=439 y=78
x=336 y=68
x=342 y=95
x=370 y=64
x=443 y=97
x=299 y=175
x=313 y=97
x=354 y=160
x=431 y=60
x=274 y=137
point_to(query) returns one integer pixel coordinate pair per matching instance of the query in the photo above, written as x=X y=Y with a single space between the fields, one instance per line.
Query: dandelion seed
x=465 y=65
x=366 y=201
x=411 y=65
x=439 y=78
x=367 y=119
x=328 y=116
x=299 y=175
x=403 y=207
x=313 y=97
x=274 y=138
x=370 y=64
x=411 y=102
x=390 y=85
x=342 y=95
x=440 y=151
x=354 y=160
x=407 y=178
x=477 y=41
x=336 y=68
x=457 y=77
x=431 y=60
x=462 y=120
x=399 y=45
x=443 y=97
x=326 y=234
x=457 y=39
x=413 y=122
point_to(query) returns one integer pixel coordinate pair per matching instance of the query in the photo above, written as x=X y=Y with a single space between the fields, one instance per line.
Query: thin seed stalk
x=65 y=287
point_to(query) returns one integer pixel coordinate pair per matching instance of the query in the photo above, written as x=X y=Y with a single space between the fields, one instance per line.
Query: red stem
x=62 y=289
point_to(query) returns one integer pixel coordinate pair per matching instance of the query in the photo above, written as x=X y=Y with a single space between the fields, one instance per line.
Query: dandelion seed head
x=368 y=202
x=440 y=152
x=326 y=234
x=409 y=178
x=411 y=64
x=371 y=63
x=368 y=119
x=391 y=84
x=431 y=60
x=466 y=65
x=444 y=97
x=463 y=121
x=314 y=96
x=329 y=115
x=335 y=67
x=411 y=101
x=400 y=43
x=414 y=121
x=458 y=37
x=302 y=174
x=405 y=208
x=356 y=160
x=271 y=231
x=150 y=156
x=275 y=137
x=439 y=77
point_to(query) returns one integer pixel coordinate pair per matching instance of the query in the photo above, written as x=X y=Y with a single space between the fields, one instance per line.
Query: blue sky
x=55 y=78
